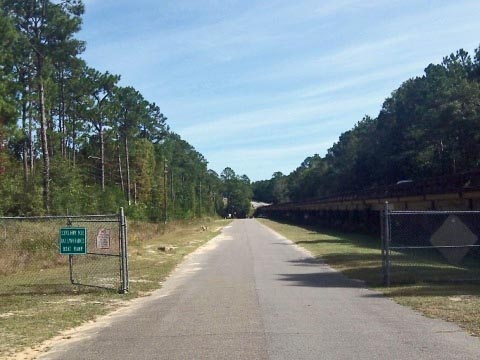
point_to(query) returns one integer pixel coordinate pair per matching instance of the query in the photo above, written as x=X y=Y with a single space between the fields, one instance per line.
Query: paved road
x=252 y=294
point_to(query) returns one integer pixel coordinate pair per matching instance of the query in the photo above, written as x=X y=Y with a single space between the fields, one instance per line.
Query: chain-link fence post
x=124 y=255
x=387 y=239
x=70 y=256
x=382 y=243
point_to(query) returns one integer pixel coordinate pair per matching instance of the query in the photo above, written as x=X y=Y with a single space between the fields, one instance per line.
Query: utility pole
x=165 y=172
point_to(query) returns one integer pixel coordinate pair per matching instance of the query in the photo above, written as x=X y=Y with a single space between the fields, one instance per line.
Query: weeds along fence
x=50 y=253
x=430 y=246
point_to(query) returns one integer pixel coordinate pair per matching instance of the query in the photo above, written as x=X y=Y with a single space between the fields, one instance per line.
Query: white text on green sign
x=73 y=241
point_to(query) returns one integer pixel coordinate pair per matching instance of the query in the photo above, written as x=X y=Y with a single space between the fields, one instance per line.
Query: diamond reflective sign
x=73 y=241
x=453 y=232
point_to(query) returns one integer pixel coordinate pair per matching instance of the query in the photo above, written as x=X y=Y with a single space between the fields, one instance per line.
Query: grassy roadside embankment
x=359 y=257
x=50 y=305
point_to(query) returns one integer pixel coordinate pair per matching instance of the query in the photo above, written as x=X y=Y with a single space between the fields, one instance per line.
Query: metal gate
x=105 y=263
x=34 y=257
x=430 y=246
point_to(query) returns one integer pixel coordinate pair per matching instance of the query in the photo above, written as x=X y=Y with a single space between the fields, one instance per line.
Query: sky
x=260 y=85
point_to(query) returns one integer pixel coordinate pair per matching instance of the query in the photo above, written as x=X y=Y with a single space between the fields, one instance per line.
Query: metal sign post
x=124 y=254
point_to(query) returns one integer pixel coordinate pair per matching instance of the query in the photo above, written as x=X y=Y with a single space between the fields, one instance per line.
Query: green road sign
x=73 y=241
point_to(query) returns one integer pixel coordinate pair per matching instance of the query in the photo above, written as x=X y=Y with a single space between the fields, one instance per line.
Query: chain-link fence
x=48 y=254
x=430 y=246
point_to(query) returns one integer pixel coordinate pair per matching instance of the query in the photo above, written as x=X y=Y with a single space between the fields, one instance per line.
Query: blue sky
x=261 y=85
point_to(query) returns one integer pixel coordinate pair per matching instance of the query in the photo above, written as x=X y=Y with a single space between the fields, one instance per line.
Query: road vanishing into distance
x=252 y=294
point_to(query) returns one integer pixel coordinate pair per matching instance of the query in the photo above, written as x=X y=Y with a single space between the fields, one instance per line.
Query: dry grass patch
x=29 y=246
x=39 y=296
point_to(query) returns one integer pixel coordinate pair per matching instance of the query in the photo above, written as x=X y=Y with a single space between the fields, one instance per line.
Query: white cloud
x=308 y=117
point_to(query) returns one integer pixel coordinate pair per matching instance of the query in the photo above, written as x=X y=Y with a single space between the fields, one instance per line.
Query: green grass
x=430 y=288
x=37 y=302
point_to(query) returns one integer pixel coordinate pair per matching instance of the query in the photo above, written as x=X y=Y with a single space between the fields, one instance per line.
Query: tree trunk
x=50 y=132
x=127 y=165
x=120 y=167
x=172 y=193
x=25 y=141
x=165 y=215
x=135 y=193
x=200 y=200
x=62 y=117
x=102 y=155
x=45 y=153
x=31 y=149
x=74 y=138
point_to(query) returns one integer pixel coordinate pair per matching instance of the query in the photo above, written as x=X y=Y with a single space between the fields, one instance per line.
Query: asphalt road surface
x=251 y=294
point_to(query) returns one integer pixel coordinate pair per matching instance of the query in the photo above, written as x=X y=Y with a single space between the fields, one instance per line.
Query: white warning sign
x=103 y=239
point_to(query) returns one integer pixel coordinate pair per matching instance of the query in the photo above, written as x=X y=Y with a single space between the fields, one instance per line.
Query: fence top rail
x=58 y=217
x=431 y=212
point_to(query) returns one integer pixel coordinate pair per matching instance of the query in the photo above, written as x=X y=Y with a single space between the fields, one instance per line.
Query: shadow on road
x=322 y=241
x=317 y=262
x=327 y=279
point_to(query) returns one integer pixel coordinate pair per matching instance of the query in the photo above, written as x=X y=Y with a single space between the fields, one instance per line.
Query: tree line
x=429 y=126
x=72 y=140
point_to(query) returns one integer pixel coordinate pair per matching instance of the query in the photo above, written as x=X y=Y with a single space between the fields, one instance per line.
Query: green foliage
x=73 y=141
x=137 y=212
x=8 y=37
x=238 y=192
x=17 y=198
